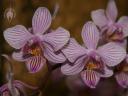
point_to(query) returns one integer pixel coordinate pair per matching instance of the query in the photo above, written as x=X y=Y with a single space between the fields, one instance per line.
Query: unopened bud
x=9 y=14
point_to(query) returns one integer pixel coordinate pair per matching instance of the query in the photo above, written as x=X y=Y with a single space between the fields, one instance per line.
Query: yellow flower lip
x=32 y=49
x=35 y=52
x=91 y=66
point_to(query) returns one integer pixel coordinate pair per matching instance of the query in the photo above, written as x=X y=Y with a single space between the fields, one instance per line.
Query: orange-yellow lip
x=91 y=66
x=35 y=52
x=116 y=36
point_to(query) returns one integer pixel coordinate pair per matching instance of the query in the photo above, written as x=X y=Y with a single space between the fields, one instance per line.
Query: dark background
x=72 y=15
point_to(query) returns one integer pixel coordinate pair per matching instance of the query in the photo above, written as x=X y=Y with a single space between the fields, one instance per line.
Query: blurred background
x=72 y=15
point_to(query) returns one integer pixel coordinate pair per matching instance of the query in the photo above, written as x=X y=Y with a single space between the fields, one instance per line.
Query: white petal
x=18 y=56
x=58 y=38
x=112 y=54
x=108 y=72
x=41 y=20
x=123 y=22
x=99 y=18
x=111 y=10
x=90 y=35
x=73 y=50
x=74 y=69
x=17 y=36
x=51 y=55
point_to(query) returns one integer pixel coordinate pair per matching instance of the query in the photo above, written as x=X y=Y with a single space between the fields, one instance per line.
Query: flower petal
x=5 y=93
x=3 y=88
x=34 y=64
x=18 y=56
x=17 y=36
x=78 y=66
x=111 y=53
x=41 y=20
x=107 y=72
x=90 y=78
x=122 y=79
x=90 y=35
x=58 y=38
x=73 y=50
x=123 y=22
x=50 y=54
x=123 y=43
x=99 y=18
x=111 y=10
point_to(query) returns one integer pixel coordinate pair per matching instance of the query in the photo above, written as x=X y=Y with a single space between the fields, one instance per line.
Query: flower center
x=32 y=49
x=91 y=65
x=95 y=65
x=35 y=51
x=117 y=35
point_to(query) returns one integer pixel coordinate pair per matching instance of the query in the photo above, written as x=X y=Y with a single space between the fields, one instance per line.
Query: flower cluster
x=102 y=55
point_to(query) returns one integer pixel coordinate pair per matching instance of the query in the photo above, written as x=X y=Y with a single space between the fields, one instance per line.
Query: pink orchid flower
x=90 y=60
x=18 y=89
x=122 y=73
x=38 y=43
x=106 y=21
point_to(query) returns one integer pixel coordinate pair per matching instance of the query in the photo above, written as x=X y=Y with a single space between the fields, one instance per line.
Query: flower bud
x=9 y=14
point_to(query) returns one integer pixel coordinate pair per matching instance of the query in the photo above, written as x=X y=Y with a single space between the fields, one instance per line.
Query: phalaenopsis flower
x=121 y=73
x=90 y=60
x=106 y=21
x=18 y=89
x=38 y=43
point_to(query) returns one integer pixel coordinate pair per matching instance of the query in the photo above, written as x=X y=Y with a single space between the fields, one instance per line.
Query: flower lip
x=32 y=48
x=96 y=65
x=116 y=36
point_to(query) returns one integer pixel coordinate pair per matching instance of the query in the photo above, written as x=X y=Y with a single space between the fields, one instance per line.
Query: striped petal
x=99 y=18
x=107 y=72
x=123 y=43
x=78 y=66
x=122 y=79
x=58 y=38
x=18 y=56
x=123 y=22
x=73 y=50
x=52 y=56
x=41 y=20
x=35 y=64
x=17 y=36
x=90 y=78
x=111 y=53
x=111 y=10
x=90 y=35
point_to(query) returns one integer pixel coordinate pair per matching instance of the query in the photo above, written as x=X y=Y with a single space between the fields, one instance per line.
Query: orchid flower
x=37 y=43
x=122 y=73
x=19 y=89
x=89 y=60
x=106 y=21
